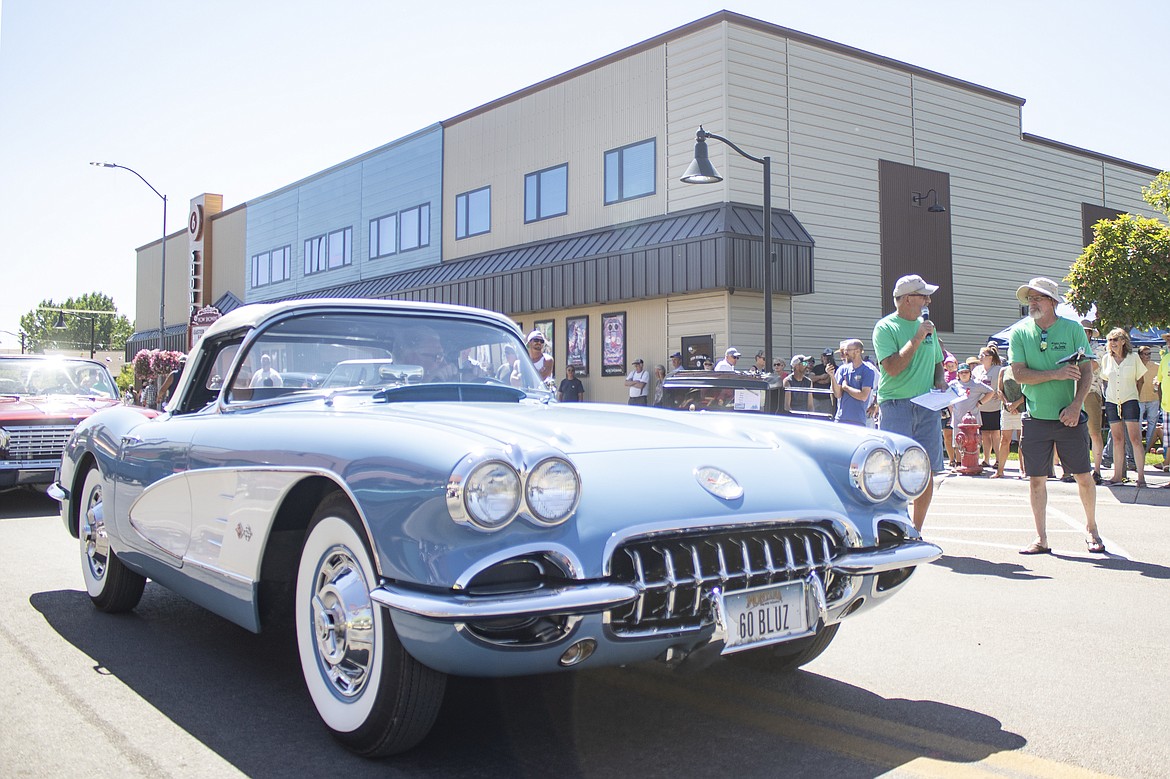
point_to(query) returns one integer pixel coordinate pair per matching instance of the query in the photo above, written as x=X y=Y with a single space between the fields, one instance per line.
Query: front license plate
x=764 y=615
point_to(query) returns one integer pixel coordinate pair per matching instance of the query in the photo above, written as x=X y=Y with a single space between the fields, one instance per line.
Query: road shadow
x=24 y=503
x=242 y=696
x=973 y=566
x=1113 y=563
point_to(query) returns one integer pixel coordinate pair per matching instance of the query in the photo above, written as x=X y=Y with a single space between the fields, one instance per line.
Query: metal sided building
x=561 y=204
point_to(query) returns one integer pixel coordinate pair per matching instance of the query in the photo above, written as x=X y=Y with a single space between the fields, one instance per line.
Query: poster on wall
x=697 y=349
x=577 y=344
x=613 y=344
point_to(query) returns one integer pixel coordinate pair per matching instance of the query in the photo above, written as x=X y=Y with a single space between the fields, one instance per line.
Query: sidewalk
x=1011 y=484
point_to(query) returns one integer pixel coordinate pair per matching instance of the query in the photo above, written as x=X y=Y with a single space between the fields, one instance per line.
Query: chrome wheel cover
x=94 y=541
x=343 y=622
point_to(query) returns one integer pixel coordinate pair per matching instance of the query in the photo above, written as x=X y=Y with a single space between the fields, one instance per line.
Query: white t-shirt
x=644 y=390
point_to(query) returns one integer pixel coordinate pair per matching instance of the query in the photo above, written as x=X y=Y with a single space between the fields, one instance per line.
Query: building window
x=473 y=213
x=414 y=227
x=383 y=236
x=546 y=193
x=630 y=171
x=271 y=267
x=340 y=247
x=314 y=255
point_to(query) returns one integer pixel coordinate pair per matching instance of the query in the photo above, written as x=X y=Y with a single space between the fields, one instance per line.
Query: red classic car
x=42 y=398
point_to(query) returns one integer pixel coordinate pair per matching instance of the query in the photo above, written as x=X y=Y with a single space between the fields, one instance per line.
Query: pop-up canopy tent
x=1137 y=337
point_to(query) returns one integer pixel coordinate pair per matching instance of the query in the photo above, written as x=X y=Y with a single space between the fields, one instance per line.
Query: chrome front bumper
x=595 y=597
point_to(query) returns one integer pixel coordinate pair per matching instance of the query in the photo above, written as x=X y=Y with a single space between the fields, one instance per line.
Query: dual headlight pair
x=488 y=492
x=878 y=471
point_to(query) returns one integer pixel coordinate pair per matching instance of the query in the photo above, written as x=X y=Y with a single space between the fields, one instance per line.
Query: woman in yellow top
x=1123 y=372
x=1163 y=383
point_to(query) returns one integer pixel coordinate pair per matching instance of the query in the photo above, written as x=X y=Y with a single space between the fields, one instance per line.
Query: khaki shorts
x=1093 y=408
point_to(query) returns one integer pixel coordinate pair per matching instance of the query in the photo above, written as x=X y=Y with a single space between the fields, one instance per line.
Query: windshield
x=373 y=351
x=54 y=376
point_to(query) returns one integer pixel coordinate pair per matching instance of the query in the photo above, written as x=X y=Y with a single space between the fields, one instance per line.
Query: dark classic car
x=42 y=398
x=441 y=522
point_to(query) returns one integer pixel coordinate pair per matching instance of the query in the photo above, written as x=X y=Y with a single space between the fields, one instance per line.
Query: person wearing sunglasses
x=543 y=362
x=1043 y=351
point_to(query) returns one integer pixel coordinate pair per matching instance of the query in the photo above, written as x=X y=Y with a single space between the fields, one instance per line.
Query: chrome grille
x=38 y=442
x=676 y=574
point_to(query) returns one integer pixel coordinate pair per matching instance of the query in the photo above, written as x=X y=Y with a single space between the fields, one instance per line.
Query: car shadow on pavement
x=242 y=696
x=976 y=567
x=24 y=503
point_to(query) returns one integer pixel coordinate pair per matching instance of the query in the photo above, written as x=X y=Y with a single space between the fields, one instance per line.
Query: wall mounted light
x=935 y=208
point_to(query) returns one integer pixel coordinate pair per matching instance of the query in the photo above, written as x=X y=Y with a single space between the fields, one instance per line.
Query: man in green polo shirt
x=1056 y=390
x=911 y=359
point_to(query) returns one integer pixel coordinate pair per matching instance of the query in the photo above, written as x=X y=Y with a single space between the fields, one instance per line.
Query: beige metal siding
x=572 y=122
x=696 y=88
x=149 y=280
x=229 y=255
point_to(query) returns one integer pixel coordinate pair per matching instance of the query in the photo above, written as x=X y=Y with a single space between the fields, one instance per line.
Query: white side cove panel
x=234 y=515
x=217 y=518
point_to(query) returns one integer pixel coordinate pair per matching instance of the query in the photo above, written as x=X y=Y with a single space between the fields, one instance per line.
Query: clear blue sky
x=241 y=98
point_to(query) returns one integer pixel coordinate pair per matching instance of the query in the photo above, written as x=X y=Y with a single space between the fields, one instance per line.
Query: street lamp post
x=80 y=313
x=162 y=302
x=19 y=335
x=701 y=171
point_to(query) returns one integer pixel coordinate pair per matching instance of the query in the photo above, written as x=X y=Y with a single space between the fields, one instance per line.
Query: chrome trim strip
x=446 y=607
x=566 y=557
x=871 y=561
x=235 y=577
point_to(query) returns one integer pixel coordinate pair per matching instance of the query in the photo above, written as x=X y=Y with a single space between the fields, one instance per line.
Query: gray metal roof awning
x=714 y=247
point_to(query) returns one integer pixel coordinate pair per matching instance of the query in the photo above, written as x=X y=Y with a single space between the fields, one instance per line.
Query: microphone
x=926 y=318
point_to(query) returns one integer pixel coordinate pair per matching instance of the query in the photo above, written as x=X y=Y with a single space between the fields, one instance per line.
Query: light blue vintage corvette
x=446 y=516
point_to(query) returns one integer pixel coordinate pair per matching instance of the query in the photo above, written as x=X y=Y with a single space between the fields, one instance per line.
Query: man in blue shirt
x=852 y=384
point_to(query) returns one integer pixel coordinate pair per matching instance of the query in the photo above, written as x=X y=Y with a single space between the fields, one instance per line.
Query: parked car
x=365 y=373
x=435 y=525
x=42 y=398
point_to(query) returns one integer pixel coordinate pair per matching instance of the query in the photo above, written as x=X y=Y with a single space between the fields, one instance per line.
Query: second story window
x=383 y=236
x=630 y=171
x=546 y=193
x=340 y=247
x=473 y=213
x=273 y=266
x=314 y=254
x=414 y=227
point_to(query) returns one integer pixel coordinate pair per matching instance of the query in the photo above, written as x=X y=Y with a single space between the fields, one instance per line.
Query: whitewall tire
x=111 y=585
x=372 y=695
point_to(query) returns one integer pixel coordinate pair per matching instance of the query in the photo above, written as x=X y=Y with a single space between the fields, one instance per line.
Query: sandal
x=1095 y=545
x=1097 y=479
x=1068 y=478
x=1037 y=548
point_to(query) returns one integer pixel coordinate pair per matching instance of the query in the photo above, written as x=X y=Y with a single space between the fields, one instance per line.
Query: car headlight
x=874 y=471
x=491 y=495
x=551 y=491
x=913 y=472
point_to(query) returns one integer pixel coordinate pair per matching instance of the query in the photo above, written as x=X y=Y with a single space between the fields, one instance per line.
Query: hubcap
x=343 y=622
x=93 y=535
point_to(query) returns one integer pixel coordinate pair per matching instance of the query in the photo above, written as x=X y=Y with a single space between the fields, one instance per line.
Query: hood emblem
x=718 y=482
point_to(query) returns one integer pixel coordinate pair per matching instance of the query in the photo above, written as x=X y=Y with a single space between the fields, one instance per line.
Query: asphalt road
x=986 y=664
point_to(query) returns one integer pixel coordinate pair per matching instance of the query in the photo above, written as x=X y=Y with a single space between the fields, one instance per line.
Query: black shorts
x=1130 y=411
x=1041 y=435
x=989 y=421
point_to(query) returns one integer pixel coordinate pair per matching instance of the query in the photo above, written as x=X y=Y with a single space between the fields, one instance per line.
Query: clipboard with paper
x=937 y=400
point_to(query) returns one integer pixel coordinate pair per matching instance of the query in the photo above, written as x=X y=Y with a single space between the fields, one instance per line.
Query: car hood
x=36 y=407
x=581 y=428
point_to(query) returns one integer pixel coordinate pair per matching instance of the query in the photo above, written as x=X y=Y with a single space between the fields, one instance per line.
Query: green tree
x=109 y=332
x=1125 y=271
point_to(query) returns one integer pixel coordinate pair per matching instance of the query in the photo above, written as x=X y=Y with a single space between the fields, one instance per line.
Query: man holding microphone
x=911 y=359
